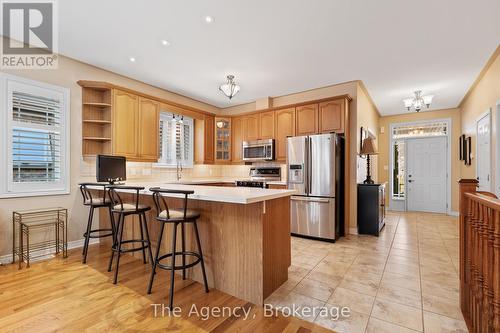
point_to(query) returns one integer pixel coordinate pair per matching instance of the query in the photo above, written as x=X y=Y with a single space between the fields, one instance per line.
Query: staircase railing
x=479 y=258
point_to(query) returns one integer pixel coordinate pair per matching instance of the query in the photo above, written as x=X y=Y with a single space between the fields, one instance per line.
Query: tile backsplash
x=147 y=171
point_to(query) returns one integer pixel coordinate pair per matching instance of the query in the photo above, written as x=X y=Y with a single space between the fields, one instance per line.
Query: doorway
x=483 y=149
x=426 y=169
x=420 y=166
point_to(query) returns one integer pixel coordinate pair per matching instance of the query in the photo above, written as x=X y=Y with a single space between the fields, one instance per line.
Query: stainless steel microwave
x=258 y=150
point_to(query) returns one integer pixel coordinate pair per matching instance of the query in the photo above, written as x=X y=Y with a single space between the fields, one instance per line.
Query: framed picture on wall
x=461 y=147
x=469 y=151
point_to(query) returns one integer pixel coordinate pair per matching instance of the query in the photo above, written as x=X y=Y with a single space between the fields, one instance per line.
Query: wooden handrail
x=479 y=258
x=487 y=200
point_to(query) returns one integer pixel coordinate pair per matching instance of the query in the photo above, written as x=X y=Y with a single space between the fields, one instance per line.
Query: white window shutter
x=36 y=133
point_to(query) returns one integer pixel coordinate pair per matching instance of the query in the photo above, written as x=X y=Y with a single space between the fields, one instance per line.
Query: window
x=36 y=138
x=415 y=131
x=176 y=140
x=398 y=188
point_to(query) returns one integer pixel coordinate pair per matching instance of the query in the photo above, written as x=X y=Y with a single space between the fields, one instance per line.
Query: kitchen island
x=245 y=236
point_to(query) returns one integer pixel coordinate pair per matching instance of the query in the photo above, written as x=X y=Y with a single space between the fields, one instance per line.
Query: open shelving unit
x=96 y=120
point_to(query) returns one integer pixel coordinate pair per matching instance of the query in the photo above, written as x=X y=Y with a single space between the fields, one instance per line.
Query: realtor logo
x=29 y=34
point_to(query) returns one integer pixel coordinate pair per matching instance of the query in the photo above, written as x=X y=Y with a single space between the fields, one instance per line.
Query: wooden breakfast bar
x=245 y=236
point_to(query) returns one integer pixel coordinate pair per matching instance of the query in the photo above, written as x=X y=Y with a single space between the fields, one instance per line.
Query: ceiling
x=284 y=46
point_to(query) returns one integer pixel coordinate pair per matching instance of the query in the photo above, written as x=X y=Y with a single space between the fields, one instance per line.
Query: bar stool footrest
x=99 y=236
x=187 y=253
x=144 y=242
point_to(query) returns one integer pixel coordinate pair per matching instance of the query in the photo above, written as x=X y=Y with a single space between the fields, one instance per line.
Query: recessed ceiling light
x=132 y=59
x=165 y=42
x=209 y=19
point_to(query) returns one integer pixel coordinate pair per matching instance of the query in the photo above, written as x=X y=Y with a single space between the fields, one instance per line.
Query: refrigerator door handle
x=310 y=199
x=306 y=165
x=309 y=166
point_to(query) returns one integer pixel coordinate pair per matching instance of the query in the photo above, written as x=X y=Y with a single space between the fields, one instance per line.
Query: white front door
x=483 y=158
x=427 y=170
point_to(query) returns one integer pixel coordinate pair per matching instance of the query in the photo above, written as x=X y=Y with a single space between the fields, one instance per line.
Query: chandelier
x=230 y=88
x=418 y=101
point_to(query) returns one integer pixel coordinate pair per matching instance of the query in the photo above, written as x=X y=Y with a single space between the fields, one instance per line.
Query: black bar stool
x=96 y=202
x=124 y=210
x=175 y=217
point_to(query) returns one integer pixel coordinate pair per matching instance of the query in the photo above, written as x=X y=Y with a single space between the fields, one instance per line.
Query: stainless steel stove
x=260 y=176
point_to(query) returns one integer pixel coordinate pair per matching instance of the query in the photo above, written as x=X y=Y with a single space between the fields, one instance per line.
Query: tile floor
x=406 y=280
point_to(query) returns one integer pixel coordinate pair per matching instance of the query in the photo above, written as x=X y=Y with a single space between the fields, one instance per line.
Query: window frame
x=8 y=188
x=190 y=163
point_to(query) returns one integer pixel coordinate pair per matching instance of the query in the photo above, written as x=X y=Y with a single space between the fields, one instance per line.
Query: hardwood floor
x=63 y=295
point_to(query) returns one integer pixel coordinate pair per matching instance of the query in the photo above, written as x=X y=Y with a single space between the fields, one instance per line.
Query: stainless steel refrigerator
x=315 y=167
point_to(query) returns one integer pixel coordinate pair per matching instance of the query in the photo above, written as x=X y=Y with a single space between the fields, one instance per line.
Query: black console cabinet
x=371 y=208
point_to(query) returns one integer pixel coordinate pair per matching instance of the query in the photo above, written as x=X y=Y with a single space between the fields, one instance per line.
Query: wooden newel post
x=465 y=186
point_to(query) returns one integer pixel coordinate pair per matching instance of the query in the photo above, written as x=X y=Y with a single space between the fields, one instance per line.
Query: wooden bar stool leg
x=87 y=234
x=201 y=255
x=172 y=274
x=142 y=237
x=183 y=251
x=150 y=253
x=155 y=261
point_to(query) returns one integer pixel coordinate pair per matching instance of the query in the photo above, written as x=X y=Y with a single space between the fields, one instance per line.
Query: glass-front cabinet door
x=222 y=139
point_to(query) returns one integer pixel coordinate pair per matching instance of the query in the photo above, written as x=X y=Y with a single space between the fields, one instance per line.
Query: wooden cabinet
x=135 y=127
x=331 y=116
x=237 y=138
x=277 y=187
x=125 y=124
x=307 y=119
x=209 y=152
x=251 y=127
x=222 y=140
x=267 y=125
x=149 y=112
x=285 y=127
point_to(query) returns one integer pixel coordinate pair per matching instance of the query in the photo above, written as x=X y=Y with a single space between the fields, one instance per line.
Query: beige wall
x=384 y=142
x=482 y=97
x=68 y=73
x=368 y=117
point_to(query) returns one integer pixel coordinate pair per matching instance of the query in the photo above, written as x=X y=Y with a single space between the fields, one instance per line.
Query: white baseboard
x=49 y=253
x=453 y=213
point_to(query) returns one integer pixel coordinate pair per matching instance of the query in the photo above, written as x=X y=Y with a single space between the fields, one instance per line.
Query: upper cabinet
x=237 y=133
x=267 y=125
x=307 y=119
x=119 y=121
x=331 y=116
x=135 y=127
x=125 y=124
x=209 y=154
x=149 y=112
x=285 y=127
x=222 y=140
x=251 y=127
